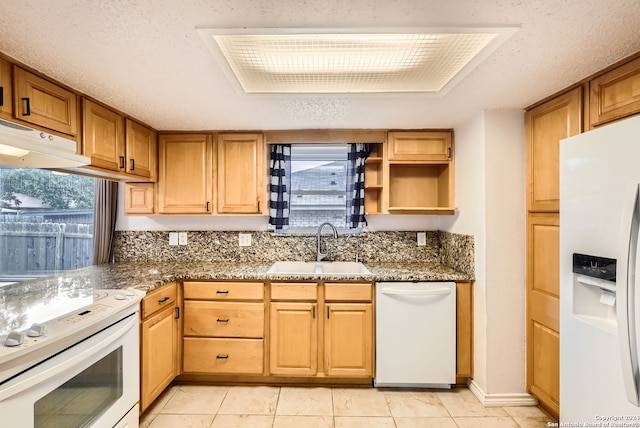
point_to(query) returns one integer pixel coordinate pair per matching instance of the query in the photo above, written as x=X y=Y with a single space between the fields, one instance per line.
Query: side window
x=46 y=222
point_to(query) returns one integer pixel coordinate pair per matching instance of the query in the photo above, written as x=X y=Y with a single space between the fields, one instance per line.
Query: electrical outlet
x=182 y=238
x=422 y=238
x=244 y=239
x=173 y=238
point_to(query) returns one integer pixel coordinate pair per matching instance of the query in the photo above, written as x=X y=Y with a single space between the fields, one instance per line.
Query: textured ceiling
x=145 y=57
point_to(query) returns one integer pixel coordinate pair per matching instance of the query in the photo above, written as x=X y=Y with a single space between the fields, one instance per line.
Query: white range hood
x=24 y=147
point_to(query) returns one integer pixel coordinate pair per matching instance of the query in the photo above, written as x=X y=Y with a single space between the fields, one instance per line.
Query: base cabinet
x=159 y=343
x=339 y=346
x=348 y=339
x=294 y=339
x=223 y=327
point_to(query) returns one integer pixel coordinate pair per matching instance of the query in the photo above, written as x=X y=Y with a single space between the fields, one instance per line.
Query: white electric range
x=69 y=355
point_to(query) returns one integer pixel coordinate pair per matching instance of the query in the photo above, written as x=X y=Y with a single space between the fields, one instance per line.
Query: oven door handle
x=81 y=351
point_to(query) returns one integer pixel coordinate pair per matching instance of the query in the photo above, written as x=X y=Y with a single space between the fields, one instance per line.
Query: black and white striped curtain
x=280 y=183
x=358 y=153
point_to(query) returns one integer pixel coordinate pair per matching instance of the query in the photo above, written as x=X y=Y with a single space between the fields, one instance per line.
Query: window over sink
x=316 y=183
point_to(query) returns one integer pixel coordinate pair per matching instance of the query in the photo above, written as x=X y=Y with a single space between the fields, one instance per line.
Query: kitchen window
x=46 y=222
x=316 y=183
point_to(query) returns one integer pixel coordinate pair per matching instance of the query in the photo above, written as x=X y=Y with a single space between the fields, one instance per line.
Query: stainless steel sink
x=318 y=268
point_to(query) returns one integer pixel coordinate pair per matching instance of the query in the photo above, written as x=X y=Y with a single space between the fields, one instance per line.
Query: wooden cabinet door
x=139 y=198
x=43 y=103
x=159 y=346
x=294 y=339
x=543 y=298
x=419 y=146
x=141 y=150
x=6 y=90
x=348 y=339
x=185 y=176
x=546 y=125
x=615 y=94
x=464 y=332
x=241 y=171
x=103 y=136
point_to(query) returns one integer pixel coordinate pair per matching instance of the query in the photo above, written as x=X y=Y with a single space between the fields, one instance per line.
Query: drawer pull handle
x=222 y=357
x=221 y=320
x=121 y=162
x=163 y=300
x=222 y=292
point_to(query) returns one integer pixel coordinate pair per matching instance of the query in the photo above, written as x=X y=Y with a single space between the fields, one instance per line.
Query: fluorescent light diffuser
x=265 y=61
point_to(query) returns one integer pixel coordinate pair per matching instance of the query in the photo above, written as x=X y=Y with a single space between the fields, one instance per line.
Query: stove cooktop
x=61 y=322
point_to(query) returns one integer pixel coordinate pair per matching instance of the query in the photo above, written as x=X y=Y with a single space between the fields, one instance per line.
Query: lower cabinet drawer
x=237 y=356
x=223 y=319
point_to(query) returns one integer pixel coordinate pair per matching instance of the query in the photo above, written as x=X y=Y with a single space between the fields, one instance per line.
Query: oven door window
x=84 y=397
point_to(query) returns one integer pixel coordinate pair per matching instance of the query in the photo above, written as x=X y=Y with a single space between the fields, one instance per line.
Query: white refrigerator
x=599 y=288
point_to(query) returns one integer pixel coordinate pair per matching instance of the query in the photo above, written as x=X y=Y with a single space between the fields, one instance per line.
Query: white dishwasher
x=415 y=334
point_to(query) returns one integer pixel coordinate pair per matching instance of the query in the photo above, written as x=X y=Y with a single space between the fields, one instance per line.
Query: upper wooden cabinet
x=118 y=145
x=418 y=173
x=241 y=174
x=419 y=146
x=615 y=95
x=6 y=90
x=185 y=174
x=139 y=198
x=141 y=148
x=103 y=136
x=43 y=103
x=546 y=125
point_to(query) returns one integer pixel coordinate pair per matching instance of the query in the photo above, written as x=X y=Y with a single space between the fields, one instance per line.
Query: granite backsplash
x=454 y=250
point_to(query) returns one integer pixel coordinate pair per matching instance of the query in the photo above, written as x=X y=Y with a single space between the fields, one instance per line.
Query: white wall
x=470 y=220
x=490 y=190
x=250 y=222
x=505 y=249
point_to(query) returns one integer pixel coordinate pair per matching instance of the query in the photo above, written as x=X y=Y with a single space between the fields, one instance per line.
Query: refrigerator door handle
x=625 y=294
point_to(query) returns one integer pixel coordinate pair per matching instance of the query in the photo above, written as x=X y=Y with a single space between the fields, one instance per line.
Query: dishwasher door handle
x=431 y=292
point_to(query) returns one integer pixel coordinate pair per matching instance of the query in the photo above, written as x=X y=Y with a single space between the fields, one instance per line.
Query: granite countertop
x=20 y=298
x=148 y=276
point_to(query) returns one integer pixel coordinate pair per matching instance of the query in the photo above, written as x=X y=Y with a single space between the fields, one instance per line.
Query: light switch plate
x=244 y=239
x=182 y=238
x=422 y=238
x=173 y=238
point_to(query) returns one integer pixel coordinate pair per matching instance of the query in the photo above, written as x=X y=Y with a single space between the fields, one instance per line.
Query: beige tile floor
x=188 y=406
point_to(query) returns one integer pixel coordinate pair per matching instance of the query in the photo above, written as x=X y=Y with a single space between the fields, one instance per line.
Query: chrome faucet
x=321 y=256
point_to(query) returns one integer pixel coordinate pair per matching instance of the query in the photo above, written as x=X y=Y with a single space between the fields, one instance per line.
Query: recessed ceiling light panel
x=265 y=61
